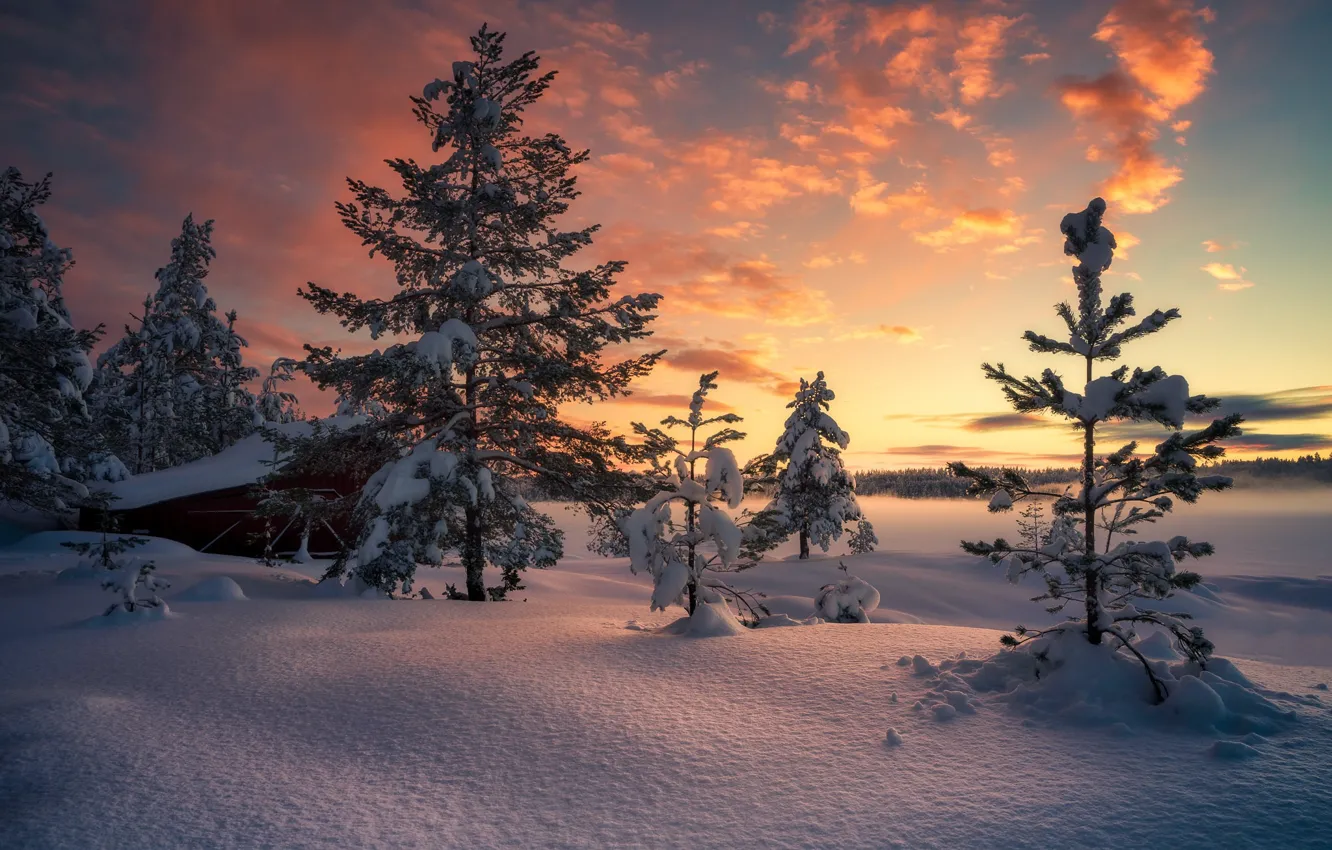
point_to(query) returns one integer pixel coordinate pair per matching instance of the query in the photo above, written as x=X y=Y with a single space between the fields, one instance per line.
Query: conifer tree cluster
x=495 y=329
x=174 y=388
x=1116 y=582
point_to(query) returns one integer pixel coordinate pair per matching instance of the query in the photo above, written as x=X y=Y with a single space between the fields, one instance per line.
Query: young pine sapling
x=1114 y=587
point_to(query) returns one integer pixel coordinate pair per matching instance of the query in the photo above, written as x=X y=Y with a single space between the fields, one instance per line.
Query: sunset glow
x=873 y=191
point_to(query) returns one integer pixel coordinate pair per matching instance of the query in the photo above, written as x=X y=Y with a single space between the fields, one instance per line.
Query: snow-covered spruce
x=46 y=444
x=275 y=405
x=125 y=576
x=173 y=389
x=686 y=556
x=131 y=577
x=500 y=332
x=815 y=497
x=1114 y=585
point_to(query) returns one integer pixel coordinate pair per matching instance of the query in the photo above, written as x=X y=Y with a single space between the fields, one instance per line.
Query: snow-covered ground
x=566 y=719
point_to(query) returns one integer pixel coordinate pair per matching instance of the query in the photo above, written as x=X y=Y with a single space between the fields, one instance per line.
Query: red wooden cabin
x=209 y=504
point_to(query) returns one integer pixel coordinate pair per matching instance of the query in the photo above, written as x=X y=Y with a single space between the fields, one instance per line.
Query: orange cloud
x=1231 y=279
x=972 y=226
x=625 y=164
x=1159 y=45
x=1163 y=65
x=904 y=334
x=1215 y=247
x=737 y=230
x=1142 y=175
x=670 y=400
x=734 y=364
x=762 y=182
x=983 y=40
x=621 y=126
x=669 y=83
x=1223 y=271
x=872 y=199
x=694 y=278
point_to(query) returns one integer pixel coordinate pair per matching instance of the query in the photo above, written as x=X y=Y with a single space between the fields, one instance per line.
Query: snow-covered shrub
x=685 y=555
x=847 y=600
x=501 y=331
x=127 y=580
x=815 y=496
x=124 y=576
x=1114 y=584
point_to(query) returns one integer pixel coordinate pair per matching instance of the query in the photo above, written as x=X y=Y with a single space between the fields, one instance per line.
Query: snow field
x=572 y=719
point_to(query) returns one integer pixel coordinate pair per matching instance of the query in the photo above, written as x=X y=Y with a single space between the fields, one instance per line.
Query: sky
x=872 y=190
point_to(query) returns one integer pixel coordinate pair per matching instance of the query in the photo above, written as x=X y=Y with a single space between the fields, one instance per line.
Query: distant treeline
x=938 y=484
x=927 y=483
x=1310 y=468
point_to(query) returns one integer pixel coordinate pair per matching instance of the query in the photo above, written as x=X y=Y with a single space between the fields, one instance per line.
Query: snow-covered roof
x=243 y=463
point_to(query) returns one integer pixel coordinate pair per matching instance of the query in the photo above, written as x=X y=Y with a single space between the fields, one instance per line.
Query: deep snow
x=572 y=719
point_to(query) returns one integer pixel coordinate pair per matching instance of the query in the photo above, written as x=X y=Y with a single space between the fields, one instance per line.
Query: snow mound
x=710 y=619
x=1060 y=676
x=779 y=620
x=121 y=617
x=893 y=738
x=329 y=588
x=215 y=589
x=353 y=588
x=44 y=542
x=82 y=574
x=1232 y=751
x=1158 y=646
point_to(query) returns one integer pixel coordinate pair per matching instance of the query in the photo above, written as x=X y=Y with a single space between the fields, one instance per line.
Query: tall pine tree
x=501 y=334
x=45 y=441
x=1113 y=586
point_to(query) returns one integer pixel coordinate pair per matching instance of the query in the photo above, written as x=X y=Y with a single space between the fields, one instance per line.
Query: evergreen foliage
x=275 y=405
x=685 y=558
x=46 y=444
x=126 y=577
x=1113 y=586
x=173 y=389
x=500 y=333
x=814 y=495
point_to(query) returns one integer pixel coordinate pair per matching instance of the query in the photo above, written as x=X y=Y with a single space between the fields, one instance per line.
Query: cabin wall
x=222 y=522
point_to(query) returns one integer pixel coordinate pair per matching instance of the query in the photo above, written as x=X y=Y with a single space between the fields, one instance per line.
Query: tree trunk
x=804 y=545
x=474 y=557
x=693 y=596
x=1092 y=588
